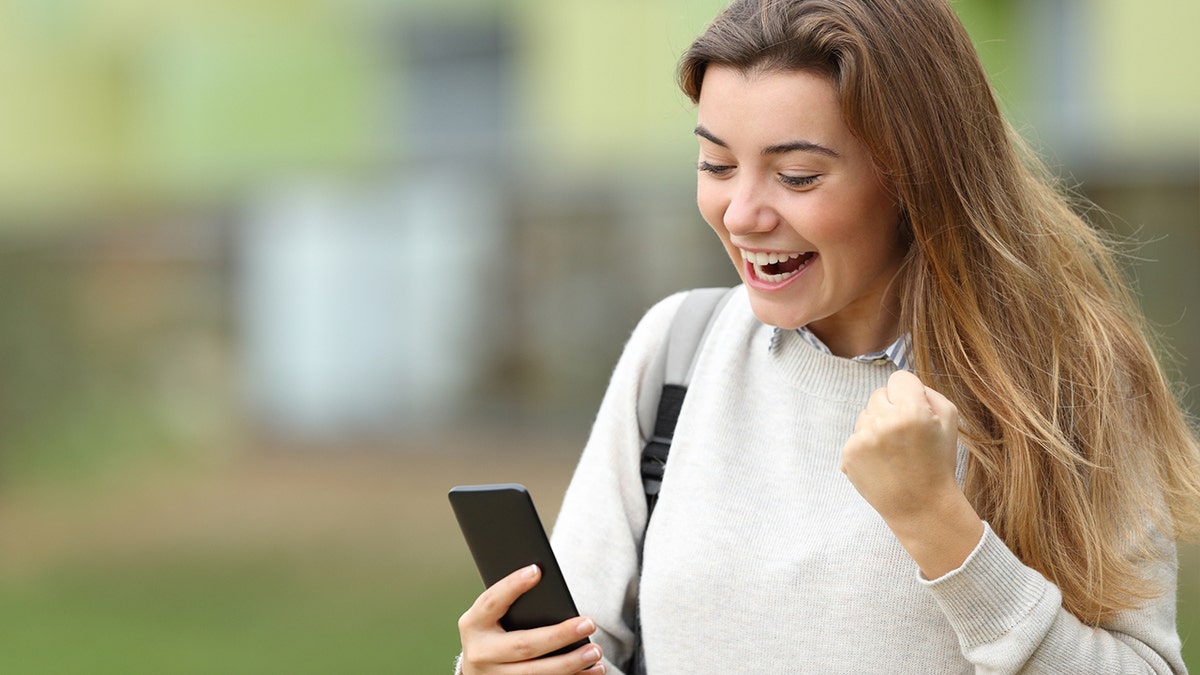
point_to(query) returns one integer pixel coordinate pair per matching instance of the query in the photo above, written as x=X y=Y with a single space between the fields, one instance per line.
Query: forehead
x=764 y=106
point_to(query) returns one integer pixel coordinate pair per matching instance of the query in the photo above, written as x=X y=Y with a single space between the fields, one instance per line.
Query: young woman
x=927 y=434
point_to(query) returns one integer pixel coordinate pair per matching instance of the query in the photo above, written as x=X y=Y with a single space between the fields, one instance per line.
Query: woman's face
x=803 y=214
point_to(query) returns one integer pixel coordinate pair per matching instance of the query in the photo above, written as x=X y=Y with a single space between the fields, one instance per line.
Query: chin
x=776 y=313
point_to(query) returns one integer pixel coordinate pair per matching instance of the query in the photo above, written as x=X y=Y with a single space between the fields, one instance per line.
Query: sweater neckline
x=820 y=373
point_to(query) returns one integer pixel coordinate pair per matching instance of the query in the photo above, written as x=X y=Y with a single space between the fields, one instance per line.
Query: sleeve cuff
x=992 y=593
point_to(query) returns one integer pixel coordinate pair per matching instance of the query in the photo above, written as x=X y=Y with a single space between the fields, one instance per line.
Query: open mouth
x=776 y=267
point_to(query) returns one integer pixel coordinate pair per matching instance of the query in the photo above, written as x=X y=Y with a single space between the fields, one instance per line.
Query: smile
x=776 y=267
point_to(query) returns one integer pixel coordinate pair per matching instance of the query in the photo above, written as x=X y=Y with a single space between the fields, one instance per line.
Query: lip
x=757 y=284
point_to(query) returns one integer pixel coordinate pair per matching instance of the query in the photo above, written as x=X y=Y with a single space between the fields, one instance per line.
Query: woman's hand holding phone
x=488 y=648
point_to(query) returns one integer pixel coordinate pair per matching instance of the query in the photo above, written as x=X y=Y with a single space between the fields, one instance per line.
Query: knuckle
x=850 y=455
x=489 y=603
x=523 y=647
x=471 y=663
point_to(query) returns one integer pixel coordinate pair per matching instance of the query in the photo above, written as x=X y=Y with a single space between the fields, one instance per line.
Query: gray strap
x=688 y=331
x=675 y=360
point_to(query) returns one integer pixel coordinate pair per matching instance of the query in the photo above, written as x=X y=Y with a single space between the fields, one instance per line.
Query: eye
x=715 y=169
x=798 y=181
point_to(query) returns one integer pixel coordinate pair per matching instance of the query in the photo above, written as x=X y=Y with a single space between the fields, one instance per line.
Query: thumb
x=494 y=602
x=946 y=411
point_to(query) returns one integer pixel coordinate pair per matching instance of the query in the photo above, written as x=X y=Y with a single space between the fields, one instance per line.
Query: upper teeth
x=759 y=258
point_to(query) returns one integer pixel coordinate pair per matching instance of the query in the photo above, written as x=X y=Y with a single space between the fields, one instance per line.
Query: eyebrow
x=793 y=146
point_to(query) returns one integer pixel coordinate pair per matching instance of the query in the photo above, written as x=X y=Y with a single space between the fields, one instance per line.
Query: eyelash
x=798 y=181
x=715 y=169
x=789 y=181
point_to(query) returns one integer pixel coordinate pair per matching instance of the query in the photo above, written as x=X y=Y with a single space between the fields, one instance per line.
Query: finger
x=584 y=659
x=849 y=452
x=860 y=424
x=878 y=400
x=523 y=645
x=904 y=388
x=942 y=407
x=495 y=601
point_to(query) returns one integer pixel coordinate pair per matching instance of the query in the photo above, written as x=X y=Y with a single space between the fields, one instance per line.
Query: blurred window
x=461 y=86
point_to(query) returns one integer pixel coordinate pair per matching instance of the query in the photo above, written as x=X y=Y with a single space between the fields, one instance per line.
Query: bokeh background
x=275 y=274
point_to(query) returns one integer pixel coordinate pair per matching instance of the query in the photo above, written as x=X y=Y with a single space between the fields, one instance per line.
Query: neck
x=854 y=337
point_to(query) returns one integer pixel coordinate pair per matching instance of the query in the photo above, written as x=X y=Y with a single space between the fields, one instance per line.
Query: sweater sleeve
x=1010 y=619
x=597 y=535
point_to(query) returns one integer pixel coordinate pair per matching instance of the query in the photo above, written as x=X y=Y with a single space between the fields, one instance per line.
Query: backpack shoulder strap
x=676 y=360
x=687 y=333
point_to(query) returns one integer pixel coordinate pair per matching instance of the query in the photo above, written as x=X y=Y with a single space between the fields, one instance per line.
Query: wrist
x=940 y=536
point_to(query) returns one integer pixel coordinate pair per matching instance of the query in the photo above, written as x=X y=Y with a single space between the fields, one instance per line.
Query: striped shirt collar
x=899 y=353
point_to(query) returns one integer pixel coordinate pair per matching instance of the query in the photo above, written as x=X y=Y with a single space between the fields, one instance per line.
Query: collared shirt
x=899 y=352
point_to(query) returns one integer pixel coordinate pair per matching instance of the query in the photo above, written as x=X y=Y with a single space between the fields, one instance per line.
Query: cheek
x=711 y=208
x=823 y=223
x=865 y=227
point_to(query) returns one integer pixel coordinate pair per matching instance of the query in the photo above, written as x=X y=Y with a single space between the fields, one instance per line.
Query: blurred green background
x=274 y=275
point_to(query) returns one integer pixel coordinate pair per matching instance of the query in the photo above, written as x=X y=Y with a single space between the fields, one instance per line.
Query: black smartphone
x=504 y=533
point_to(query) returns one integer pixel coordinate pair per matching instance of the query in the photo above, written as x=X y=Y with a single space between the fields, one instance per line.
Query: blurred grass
x=235 y=615
x=337 y=560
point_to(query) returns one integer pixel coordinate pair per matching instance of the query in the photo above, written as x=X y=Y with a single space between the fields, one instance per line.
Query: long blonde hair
x=1082 y=458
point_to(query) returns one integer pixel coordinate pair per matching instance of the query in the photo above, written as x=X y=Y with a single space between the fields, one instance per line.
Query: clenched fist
x=901 y=459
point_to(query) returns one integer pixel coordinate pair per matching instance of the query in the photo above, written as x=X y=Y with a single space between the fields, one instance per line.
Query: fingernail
x=592 y=655
x=586 y=627
x=530 y=572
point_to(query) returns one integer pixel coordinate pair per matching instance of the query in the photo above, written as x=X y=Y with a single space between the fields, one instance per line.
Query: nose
x=749 y=209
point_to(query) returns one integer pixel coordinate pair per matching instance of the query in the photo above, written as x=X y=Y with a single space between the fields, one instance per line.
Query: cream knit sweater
x=762 y=558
